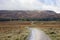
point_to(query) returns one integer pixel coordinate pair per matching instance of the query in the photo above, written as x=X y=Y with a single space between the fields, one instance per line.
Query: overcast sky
x=30 y=5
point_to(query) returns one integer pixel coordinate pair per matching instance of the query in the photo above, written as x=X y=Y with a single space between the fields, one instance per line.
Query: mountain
x=28 y=14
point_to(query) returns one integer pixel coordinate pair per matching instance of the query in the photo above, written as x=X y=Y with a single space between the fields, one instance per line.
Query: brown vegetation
x=14 y=30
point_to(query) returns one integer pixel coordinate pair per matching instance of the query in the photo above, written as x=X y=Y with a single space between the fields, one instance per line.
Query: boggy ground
x=18 y=30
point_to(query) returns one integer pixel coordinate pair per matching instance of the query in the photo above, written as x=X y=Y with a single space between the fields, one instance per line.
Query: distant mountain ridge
x=28 y=14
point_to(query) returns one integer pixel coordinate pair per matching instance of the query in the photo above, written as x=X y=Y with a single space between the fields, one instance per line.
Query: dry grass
x=17 y=30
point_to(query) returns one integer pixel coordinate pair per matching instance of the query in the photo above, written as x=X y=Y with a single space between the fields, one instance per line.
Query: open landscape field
x=29 y=19
x=18 y=30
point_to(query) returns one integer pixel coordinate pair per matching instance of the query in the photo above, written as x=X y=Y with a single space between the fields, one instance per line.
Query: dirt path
x=37 y=34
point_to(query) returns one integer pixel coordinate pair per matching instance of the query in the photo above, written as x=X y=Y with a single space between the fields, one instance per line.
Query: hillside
x=28 y=14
